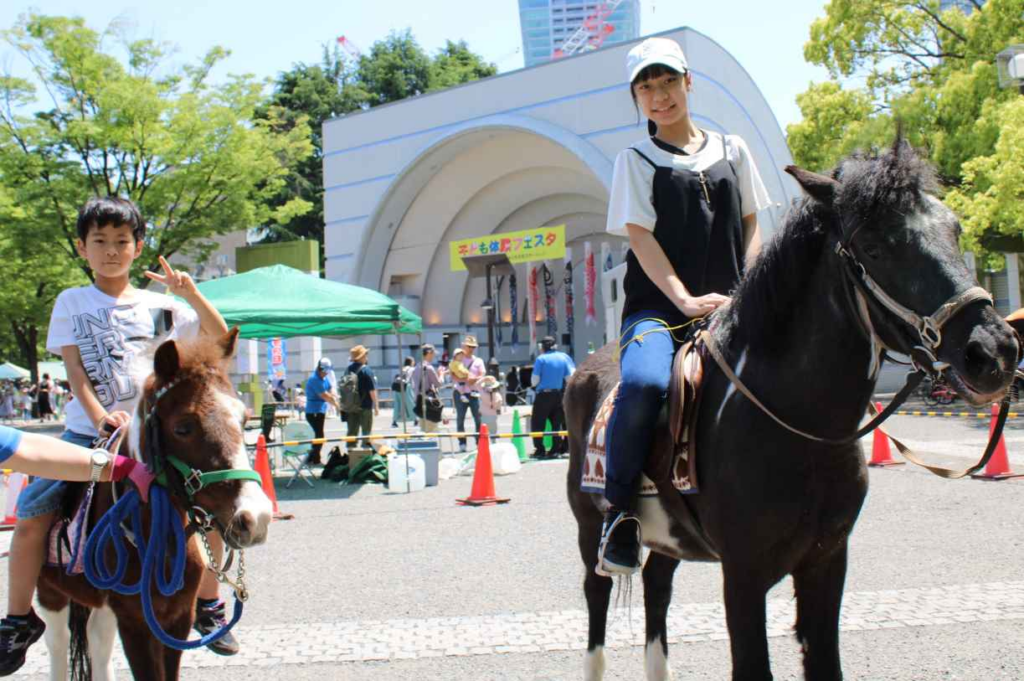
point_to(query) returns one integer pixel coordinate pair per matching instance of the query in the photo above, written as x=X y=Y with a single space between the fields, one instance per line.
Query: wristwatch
x=100 y=459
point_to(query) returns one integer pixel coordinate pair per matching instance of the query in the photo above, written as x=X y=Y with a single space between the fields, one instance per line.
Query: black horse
x=804 y=335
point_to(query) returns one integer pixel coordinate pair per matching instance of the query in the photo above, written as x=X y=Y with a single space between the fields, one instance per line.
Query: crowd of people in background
x=416 y=394
x=43 y=400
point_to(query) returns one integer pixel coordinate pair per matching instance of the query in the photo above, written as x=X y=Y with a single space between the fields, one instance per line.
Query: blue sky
x=268 y=37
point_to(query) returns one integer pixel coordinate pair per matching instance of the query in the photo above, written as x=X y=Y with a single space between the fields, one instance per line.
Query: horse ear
x=166 y=362
x=229 y=341
x=819 y=187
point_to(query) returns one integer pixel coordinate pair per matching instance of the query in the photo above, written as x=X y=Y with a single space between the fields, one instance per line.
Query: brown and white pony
x=201 y=422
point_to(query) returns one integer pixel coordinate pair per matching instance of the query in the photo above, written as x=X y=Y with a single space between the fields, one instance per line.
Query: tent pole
x=405 y=420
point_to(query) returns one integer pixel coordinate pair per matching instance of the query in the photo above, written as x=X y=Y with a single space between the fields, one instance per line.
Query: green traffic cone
x=549 y=441
x=517 y=429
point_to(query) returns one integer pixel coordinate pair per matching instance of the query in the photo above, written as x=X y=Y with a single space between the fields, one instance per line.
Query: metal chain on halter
x=238 y=584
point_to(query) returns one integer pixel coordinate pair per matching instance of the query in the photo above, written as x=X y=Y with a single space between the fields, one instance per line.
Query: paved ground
x=366 y=584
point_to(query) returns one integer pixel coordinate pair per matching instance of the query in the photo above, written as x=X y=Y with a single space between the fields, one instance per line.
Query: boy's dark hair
x=103 y=211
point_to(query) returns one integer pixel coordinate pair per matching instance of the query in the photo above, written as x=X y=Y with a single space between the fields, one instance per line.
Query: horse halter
x=187 y=481
x=928 y=328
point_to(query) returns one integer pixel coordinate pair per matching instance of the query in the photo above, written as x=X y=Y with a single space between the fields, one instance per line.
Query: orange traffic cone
x=13 y=484
x=998 y=467
x=263 y=468
x=881 y=455
x=483 y=493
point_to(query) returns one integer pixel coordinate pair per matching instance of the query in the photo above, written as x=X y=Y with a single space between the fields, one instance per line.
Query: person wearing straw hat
x=366 y=385
x=467 y=392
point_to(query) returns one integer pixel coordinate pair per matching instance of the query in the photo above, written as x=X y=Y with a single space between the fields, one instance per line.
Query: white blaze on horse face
x=655 y=662
x=593 y=665
x=135 y=433
x=251 y=497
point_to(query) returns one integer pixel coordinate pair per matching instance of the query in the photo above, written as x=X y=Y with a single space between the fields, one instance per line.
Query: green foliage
x=395 y=68
x=933 y=71
x=193 y=156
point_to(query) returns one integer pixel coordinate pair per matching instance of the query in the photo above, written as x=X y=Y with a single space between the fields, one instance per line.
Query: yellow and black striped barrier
x=960 y=414
x=409 y=436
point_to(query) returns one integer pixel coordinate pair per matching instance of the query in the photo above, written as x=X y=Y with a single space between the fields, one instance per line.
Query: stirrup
x=622 y=517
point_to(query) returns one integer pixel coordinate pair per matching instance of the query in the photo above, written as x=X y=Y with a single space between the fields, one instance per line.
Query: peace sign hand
x=178 y=283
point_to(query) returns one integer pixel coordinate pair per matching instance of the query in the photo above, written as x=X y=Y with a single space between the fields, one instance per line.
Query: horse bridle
x=186 y=481
x=923 y=355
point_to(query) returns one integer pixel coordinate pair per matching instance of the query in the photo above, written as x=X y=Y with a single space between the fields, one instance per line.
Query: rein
x=173 y=477
x=923 y=358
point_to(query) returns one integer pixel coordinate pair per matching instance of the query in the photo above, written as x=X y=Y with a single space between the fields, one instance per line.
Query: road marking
x=532 y=632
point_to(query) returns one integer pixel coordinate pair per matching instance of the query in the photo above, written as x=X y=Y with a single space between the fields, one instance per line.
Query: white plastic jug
x=417 y=473
x=504 y=458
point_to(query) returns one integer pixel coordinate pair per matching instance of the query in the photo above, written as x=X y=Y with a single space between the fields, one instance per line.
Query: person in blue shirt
x=550 y=372
x=56 y=459
x=319 y=393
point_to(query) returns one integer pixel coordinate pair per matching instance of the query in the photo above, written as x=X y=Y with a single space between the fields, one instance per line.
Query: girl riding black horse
x=688 y=201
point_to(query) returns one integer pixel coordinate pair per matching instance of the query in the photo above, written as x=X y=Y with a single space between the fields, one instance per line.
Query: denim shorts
x=44 y=496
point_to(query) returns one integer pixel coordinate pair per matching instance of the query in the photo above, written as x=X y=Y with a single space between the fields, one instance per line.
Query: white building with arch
x=525 y=149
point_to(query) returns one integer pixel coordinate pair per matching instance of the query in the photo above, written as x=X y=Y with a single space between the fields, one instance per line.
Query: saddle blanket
x=66 y=545
x=595 y=463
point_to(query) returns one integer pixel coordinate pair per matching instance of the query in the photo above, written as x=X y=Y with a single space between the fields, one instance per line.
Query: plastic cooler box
x=428 y=449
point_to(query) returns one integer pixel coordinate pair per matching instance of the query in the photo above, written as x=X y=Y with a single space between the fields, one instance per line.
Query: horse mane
x=873 y=187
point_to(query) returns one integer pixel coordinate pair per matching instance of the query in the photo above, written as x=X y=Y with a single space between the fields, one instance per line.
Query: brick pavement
x=398 y=639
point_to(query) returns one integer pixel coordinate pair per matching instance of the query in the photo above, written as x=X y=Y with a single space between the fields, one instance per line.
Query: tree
x=932 y=71
x=309 y=94
x=396 y=68
x=455 y=64
x=192 y=155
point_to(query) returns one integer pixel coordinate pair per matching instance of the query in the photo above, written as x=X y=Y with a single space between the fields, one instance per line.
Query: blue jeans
x=42 y=495
x=645 y=366
x=460 y=412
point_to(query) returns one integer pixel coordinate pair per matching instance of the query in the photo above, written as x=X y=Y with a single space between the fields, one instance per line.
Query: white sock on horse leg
x=593 y=665
x=58 y=639
x=655 y=662
x=102 y=632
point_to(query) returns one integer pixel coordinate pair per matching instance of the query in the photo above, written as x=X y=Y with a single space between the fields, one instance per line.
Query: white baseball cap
x=655 y=51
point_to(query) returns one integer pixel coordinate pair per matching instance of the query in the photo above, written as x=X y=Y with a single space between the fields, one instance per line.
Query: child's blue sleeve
x=10 y=439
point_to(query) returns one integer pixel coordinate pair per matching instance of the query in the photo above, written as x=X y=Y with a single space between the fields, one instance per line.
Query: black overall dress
x=699 y=227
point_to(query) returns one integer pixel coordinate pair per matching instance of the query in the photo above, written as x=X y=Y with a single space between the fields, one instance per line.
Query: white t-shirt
x=117 y=339
x=633 y=181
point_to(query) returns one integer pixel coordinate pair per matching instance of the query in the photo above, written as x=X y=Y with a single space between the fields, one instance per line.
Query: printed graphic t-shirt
x=117 y=339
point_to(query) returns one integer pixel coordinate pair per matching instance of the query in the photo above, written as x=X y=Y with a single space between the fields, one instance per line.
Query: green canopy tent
x=280 y=301
x=12 y=372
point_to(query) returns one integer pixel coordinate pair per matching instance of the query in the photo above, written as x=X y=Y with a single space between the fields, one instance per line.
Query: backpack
x=351 y=401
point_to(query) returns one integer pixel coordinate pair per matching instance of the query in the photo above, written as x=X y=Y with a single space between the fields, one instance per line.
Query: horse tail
x=78 y=648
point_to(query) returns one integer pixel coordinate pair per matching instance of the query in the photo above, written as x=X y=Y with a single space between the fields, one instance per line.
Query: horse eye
x=183 y=429
x=872 y=251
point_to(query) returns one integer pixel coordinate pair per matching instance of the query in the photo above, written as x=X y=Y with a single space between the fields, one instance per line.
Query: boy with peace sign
x=107 y=334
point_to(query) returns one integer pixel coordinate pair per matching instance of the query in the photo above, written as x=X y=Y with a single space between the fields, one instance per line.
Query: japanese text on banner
x=541 y=243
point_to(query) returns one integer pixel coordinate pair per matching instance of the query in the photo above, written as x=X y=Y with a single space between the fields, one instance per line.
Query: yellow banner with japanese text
x=540 y=243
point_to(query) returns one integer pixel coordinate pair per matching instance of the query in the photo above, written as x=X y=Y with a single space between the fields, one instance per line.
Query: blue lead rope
x=154 y=553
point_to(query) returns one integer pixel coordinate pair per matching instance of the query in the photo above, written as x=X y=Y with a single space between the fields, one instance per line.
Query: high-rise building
x=546 y=24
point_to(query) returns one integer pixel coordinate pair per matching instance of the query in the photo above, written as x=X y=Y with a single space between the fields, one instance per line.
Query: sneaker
x=210 y=618
x=462 y=447
x=619 y=552
x=16 y=635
